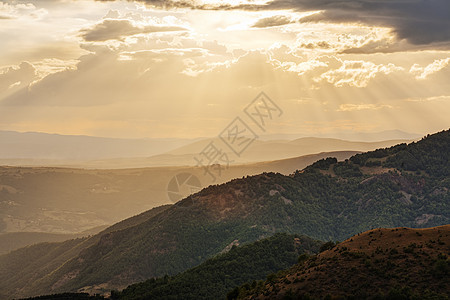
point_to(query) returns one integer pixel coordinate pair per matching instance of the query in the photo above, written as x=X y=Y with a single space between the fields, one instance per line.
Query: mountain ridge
x=38 y=149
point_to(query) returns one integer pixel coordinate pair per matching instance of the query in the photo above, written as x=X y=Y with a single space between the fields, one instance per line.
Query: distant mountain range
x=405 y=185
x=42 y=149
x=351 y=136
x=55 y=147
x=261 y=150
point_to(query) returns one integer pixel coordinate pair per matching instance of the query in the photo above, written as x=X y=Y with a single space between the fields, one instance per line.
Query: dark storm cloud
x=419 y=21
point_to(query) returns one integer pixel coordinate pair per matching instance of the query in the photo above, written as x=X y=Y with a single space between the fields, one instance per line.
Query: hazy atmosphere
x=224 y=149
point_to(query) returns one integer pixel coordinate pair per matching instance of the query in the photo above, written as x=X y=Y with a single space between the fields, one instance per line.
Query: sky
x=176 y=68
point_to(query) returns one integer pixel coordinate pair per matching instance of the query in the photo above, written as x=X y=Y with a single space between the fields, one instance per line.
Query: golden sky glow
x=186 y=69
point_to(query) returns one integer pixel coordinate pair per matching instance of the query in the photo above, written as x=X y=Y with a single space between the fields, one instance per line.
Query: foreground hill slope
x=398 y=263
x=328 y=200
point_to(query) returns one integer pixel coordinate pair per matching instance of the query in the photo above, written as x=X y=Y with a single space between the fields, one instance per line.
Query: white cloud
x=436 y=66
x=427 y=99
x=303 y=67
x=357 y=73
x=12 y=11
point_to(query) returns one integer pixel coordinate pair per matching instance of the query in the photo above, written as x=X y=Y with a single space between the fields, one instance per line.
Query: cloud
x=418 y=21
x=391 y=45
x=422 y=73
x=273 y=21
x=12 y=11
x=154 y=92
x=106 y=73
x=21 y=10
x=358 y=107
x=316 y=45
x=163 y=54
x=112 y=29
x=24 y=73
x=112 y=14
x=303 y=67
x=357 y=73
x=428 y=99
x=15 y=78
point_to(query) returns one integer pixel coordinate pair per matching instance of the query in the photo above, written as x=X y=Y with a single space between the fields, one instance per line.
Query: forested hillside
x=215 y=277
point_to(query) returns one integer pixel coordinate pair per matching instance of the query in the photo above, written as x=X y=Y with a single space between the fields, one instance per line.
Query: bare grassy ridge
x=369 y=264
